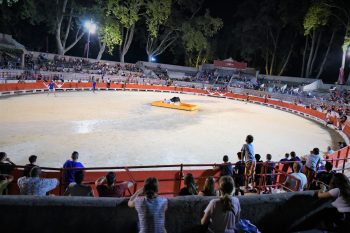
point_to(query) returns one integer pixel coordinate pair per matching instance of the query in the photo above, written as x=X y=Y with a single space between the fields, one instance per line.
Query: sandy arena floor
x=122 y=128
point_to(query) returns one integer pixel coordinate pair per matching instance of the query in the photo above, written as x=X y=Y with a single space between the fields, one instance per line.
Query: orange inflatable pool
x=181 y=106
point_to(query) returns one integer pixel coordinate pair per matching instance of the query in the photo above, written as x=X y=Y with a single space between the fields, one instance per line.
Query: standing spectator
x=226 y=168
x=239 y=174
x=258 y=167
x=269 y=169
x=223 y=213
x=314 y=159
x=107 y=187
x=77 y=188
x=329 y=150
x=5 y=180
x=34 y=185
x=286 y=158
x=298 y=175
x=285 y=166
x=6 y=165
x=249 y=157
x=294 y=157
x=190 y=186
x=69 y=174
x=28 y=167
x=209 y=187
x=340 y=191
x=151 y=208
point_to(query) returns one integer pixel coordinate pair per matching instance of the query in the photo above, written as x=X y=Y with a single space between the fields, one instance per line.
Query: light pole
x=91 y=27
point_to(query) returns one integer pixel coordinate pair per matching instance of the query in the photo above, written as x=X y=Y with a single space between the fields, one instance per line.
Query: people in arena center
x=69 y=174
x=77 y=188
x=209 y=187
x=340 y=193
x=51 y=88
x=35 y=185
x=151 y=208
x=32 y=160
x=297 y=174
x=314 y=160
x=239 y=174
x=5 y=180
x=6 y=165
x=249 y=157
x=190 y=186
x=223 y=213
x=108 y=187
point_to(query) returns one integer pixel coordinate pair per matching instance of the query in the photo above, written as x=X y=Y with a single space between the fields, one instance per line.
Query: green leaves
x=157 y=14
x=127 y=12
x=317 y=16
x=110 y=35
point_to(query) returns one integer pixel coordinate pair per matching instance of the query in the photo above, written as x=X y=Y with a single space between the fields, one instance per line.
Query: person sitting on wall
x=6 y=165
x=69 y=174
x=77 y=188
x=5 y=180
x=323 y=177
x=151 y=208
x=28 y=167
x=34 y=185
x=107 y=187
x=190 y=186
x=223 y=213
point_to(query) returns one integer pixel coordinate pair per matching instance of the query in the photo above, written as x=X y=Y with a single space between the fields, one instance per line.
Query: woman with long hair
x=190 y=186
x=340 y=192
x=223 y=213
x=151 y=208
x=209 y=187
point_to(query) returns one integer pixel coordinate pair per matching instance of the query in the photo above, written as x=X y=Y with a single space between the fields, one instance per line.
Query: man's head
x=225 y=158
x=292 y=154
x=328 y=166
x=316 y=151
x=110 y=178
x=3 y=156
x=79 y=176
x=286 y=155
x=35 y=171
x=75 y=156
x=249 y=139
x=32 y=159
x=257 y=157
x=296 y=166
x=239 y=155
x=268 y=157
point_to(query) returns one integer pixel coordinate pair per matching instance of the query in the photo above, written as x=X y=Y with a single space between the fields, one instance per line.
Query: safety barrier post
x=61 y=181
x=181 y=175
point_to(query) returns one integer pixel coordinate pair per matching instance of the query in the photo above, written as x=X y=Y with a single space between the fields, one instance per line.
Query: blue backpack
x=245 y=226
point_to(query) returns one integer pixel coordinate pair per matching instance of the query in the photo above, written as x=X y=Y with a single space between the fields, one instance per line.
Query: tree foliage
x=317 y=16
x=157 y=14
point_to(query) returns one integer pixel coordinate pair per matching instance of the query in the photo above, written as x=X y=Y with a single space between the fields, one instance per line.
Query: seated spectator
x=209 y=187
x=77 y=188
x=190 y=186
x=298 y=175
x=69 y=174
x=28 y=167
x=226 y=168
x=107 y=187
x=151 y=208
x=5 y=180
x=324 y=176
x=314 y=159
x=223 y=213
x=340 y=193
x=34 y=185
x=269 y=170
x=6 y=165
x=258 y=167
x=239 y=175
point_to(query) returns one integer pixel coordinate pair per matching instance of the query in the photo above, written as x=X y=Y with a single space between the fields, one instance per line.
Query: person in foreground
x=223 y=213
x=151 y=208
x=340 y=193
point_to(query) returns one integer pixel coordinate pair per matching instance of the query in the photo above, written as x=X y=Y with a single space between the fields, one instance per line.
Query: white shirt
x=303 y=180
x=339 y=203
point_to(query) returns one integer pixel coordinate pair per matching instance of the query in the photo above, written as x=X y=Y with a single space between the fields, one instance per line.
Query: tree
x=160 y=33
x=127 y=13
x=61 y=16
x=195 y=38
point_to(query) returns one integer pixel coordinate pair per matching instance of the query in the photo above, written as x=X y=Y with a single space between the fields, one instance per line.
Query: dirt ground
x=122 y=128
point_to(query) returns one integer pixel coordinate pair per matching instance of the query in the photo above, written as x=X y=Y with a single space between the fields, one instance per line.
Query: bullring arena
x=121 y=128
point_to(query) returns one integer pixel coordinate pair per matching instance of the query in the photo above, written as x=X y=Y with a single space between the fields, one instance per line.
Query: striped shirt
x=151 y=213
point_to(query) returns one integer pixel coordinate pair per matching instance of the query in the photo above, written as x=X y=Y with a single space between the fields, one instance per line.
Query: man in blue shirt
x=51 y=87
x=69 y=174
